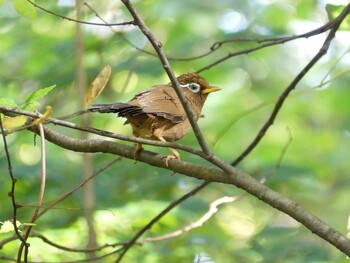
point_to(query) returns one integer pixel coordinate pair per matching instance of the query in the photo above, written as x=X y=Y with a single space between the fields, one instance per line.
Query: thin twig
x=218 y=44
x=82 y=183
x=103 y=133
x=261 y=105
x=323 y=50
x=213 y=208
x=12 y=196
x=158 y=217
x=280 y=158
x=42 y=186
x=269 y=42
x=121 y=35
x=94 y=259
x=65 y=248
x=80 y=21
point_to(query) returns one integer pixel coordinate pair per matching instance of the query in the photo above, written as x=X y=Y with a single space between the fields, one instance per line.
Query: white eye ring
x=193 y=87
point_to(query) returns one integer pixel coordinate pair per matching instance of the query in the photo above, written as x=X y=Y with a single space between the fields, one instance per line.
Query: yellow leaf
x=97 y=85
x=13 y=122
x=8 y=226
x=45 y=116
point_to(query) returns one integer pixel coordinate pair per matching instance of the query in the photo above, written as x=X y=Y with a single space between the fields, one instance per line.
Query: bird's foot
x=175 y=155
x=139 y=148
x=158 y=134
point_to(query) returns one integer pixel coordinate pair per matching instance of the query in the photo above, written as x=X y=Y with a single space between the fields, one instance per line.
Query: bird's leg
x=137 y=151
x=158 y=134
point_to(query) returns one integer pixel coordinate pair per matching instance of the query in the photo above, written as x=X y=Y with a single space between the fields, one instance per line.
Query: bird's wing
x=162 y=101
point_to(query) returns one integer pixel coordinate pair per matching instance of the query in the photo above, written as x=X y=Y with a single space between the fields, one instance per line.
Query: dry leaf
x=45 y=116
x=97 y=85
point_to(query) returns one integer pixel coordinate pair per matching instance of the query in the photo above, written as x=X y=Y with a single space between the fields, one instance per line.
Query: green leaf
x=8 y=102
x=333 y=11
x=32 y=100
x=24 y=8
x=2 y=1
x=8 y=226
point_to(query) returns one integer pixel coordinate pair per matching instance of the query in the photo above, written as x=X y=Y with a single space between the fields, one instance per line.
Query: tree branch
x=13 y=198
x=323 y=50
x=234 y=177
x=8 y=111
x=80 y=21
x=42 y=188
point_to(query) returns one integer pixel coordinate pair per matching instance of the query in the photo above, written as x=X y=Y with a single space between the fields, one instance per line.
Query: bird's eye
x=194 y=87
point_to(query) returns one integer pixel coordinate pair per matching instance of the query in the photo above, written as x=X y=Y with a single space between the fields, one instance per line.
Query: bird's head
x=195 y=86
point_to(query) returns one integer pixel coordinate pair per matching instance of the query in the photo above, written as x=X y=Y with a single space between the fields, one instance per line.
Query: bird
x=157 y=113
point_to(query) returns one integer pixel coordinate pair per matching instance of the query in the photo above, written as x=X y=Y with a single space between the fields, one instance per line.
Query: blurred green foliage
x=314 y=170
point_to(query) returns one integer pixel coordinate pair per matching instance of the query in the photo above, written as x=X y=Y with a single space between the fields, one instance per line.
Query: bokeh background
x=305 y=154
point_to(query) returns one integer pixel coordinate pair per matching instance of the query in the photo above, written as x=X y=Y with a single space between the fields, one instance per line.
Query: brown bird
x=157 y=113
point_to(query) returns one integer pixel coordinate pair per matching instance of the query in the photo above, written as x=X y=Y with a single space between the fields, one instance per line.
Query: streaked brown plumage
x=157 y=113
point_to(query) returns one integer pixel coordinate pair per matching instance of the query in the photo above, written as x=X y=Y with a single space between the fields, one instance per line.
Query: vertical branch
x=81 y=83
x=13 y=199
x=42 y=184
x=43 y=175
x=166 y=65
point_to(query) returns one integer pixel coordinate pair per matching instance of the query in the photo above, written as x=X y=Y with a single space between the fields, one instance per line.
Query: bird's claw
x=175 y=155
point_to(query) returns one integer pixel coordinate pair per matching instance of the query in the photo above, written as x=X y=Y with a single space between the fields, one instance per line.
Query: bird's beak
x=210 y=89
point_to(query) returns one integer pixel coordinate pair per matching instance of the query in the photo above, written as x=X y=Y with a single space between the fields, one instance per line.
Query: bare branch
x=42 y=186
x=185 y=197
x=79 y=21
x=267 y=42
x=12 y=196
x=154 y=220
x=232 y=176
x=213 y=208
x=13 y=111
x=323 y=50
x=82 y=183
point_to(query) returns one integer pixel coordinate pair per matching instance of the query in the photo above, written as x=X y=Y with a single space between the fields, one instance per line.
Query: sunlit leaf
x=32 y=100
x=13 y=122
x=8 y=226
x=97 y=85
x=24 y=8
x=333 y=11
x=8 y=102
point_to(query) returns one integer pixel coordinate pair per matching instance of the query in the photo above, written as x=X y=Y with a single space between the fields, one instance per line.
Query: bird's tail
x=109 y=108
x=121 y=108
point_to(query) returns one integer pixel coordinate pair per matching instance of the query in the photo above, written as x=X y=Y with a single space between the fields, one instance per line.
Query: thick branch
x=234 y=176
